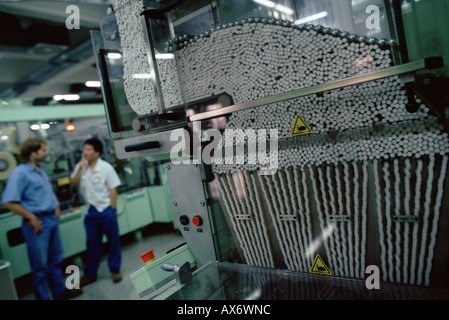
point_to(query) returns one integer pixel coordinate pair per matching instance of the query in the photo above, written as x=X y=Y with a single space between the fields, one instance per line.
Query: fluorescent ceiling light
x=284 y=9
x=71 y=97
x=313 y=17
x=35 y=127
x=66 y=97
x=45 y=126
x=142 y=76
x=266 y=3
x=114 y=55
x=273 y=5
x=93 y=84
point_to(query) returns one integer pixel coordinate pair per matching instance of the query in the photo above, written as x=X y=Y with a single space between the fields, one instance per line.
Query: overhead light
x=71 y=97
x=273 y=5
x=114 y=55
x=93 y=84
x=266 y=3
x=284 y=9
x=313 y=17
x=70 y=125
x=35 y=127
x=66 y=97
x=4 y=137
x=142 y=76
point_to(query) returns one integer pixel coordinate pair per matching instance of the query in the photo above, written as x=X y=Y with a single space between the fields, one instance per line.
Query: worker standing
x=29 y=194
x=98 y=182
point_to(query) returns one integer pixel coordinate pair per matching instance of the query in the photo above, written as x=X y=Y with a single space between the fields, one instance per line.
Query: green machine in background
x=143 y=196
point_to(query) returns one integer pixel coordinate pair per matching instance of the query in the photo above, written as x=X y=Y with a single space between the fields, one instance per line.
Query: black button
x=184 y=220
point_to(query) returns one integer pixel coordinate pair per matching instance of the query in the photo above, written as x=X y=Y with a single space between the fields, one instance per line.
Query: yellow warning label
x=300 y=127
x=319 y=267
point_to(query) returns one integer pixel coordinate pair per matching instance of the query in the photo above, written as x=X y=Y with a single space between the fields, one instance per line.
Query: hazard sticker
x=319 y=267
x=300 y=127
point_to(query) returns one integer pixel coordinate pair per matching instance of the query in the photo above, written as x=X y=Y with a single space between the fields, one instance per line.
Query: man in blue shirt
x=30 y=194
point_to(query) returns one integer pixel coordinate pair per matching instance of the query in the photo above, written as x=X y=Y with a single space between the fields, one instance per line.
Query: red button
x=197 y=221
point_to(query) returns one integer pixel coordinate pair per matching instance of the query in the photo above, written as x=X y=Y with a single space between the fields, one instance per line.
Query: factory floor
x=159 y=237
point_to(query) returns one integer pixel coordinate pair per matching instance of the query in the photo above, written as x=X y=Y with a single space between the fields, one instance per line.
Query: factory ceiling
x=40 y=57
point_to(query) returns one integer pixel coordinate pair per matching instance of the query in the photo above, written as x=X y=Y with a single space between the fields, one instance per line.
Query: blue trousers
x=97 y=224
x=45 y=255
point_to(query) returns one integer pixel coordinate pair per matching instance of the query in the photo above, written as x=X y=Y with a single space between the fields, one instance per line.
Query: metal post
x=154 y=73
x=400 y=30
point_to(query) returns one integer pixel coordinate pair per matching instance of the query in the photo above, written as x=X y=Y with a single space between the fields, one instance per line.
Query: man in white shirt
x=97 y=182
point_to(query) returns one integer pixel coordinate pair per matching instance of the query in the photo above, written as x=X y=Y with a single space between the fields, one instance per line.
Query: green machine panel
x=72 y=231
x=160 y=203
x=160 y=198
x=13 y=247
x=138 y=208
x=123 y=224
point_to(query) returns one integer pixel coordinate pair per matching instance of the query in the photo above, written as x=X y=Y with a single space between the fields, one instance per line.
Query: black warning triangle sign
x=300 y=127
x=319 y=267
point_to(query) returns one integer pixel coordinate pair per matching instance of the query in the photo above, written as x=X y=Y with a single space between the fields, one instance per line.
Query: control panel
x=190 y=210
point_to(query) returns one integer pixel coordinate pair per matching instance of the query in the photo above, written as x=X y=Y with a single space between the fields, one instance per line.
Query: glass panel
x=110 y=67
x=225 y=281
x=130 y=95
x=195 y=23
x=345 y=15
x=113 y=61
x=251 y=54
x=426 y=27
x=129 y=87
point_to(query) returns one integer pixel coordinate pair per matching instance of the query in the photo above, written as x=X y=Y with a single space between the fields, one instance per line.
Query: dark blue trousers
x=45 y=255
x=98 y=224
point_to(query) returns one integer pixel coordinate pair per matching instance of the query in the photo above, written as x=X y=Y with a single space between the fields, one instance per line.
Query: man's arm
x=75 y=179
x=12 y=197
x=114 y=197
x=112 y=182
x=58 y=212
x=18 y=209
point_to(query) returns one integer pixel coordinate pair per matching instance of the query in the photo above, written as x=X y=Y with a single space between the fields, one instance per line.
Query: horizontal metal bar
x=393 y=71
